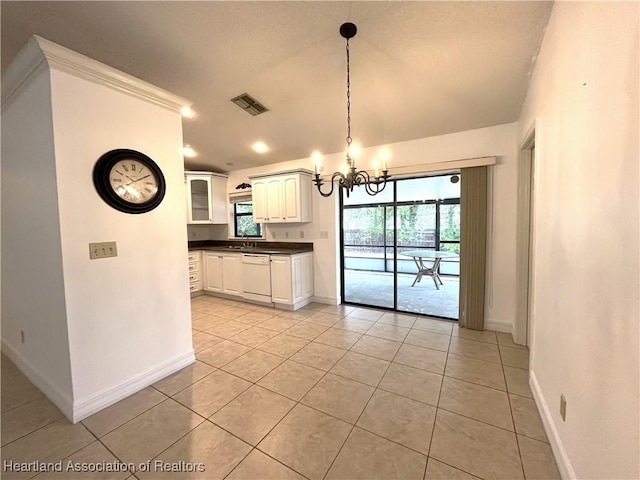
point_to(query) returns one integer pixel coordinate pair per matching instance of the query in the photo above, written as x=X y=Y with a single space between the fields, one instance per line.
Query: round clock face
x=129 y=181
x=132 y=181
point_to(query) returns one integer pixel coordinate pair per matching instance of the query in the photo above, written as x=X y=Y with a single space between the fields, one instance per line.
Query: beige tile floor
x=333 y=392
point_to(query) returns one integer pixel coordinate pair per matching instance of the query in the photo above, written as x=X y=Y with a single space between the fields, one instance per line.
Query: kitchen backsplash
x=207 y=232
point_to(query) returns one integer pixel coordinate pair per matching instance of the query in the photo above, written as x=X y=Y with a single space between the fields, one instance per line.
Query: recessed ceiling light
x=260 y=147
x=189 y=152
x=187 y=112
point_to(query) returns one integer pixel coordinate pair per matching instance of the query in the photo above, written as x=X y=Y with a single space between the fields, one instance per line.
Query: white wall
x=584 y=91
x=130 y=314
x=497 y=141
x=32 y=282
x=96 y=330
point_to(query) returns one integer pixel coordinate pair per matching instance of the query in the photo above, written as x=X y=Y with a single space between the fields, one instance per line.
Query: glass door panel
x=199 y=192
x=367 y=279
x=450 y=237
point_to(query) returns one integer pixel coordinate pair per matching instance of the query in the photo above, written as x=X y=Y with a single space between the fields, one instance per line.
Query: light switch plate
x=102 y=250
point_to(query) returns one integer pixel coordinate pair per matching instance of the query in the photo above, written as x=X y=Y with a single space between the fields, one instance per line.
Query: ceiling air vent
x=249 y=104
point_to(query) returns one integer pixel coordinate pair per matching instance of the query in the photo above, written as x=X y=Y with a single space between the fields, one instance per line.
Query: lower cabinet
x=232 y=274
x=195 y=273
x=292 y=280
x=223 y=273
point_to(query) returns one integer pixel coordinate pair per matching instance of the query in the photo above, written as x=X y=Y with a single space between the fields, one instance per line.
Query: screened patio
x=397 y=233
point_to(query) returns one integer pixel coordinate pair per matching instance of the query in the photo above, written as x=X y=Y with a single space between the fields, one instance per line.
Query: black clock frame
x=102 y=170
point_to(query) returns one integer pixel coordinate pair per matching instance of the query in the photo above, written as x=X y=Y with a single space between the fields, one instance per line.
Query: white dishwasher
x=256 y=277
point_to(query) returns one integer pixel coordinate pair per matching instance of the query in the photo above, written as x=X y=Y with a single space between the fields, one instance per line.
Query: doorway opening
x=524 y=241
x=400 y=249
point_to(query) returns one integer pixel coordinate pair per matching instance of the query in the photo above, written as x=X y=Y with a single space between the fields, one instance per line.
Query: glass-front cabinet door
x=199 y=199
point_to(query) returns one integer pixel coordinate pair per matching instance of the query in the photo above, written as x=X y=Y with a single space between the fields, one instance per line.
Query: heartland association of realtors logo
x=101 y=467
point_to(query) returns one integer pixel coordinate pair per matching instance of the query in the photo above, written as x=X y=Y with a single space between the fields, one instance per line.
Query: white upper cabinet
x=206 y=197
x=282 y=197
x=259 y=199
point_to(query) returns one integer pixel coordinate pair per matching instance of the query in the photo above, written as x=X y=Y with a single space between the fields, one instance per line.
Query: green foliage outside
x=245 y=226
x=416 y=225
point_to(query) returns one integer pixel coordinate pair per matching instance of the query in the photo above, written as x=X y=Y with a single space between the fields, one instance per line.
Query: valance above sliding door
x=473 y=246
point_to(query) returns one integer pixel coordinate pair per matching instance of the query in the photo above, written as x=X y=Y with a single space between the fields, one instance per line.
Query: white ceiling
x=418 y=69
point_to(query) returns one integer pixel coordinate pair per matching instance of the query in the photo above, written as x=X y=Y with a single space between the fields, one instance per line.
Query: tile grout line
x=376 y=388
x=297 y=402
x=353 y=426
x=361 y=334
x=27 y=402
x=513 y=420
x=37 y=429
x=328 y=371
x=444 y=371
x=79 y=449
x=350 y=350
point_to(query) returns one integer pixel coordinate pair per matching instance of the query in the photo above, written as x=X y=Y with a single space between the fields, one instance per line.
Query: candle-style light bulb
x=376 y=167
x=353 y=151
x=384 y=155
x=316 y=161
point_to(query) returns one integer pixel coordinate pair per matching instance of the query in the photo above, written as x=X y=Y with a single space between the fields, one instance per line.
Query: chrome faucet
x=245 y=237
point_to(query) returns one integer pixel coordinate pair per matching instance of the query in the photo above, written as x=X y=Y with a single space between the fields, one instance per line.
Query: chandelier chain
x=348 y=98
x=350 y=178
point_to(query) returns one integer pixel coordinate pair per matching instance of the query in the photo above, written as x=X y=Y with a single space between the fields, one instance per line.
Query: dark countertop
x=266 y=248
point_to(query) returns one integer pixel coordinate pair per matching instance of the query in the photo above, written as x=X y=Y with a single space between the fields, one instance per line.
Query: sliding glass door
x=368 y=253
x=399 y=248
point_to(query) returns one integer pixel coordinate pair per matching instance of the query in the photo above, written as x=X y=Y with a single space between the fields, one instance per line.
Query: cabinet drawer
x=194 y=287
x=193 y=257
x=194 y=277
x=194 y=267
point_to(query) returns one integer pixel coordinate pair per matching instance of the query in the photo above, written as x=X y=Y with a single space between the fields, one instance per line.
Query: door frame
x=394 y=203
x=525 y=236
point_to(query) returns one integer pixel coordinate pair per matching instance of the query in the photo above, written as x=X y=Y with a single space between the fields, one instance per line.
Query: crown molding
x=39 y=52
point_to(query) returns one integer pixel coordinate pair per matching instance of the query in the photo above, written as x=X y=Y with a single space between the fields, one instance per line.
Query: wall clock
x=129 y=181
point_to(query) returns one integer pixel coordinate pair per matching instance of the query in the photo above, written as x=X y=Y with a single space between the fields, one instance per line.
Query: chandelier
x=350 y=177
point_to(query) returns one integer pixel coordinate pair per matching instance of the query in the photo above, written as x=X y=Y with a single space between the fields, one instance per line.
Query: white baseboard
x=498 y=325
x=108 y=396
x=325 y=300
x=81 y=409
x=62 y=401
x=559 y=452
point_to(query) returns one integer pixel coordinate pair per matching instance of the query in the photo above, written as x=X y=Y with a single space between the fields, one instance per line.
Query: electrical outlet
x=301 y=233
x=286 y=234
x=102 y=250
x=563 y=408
x=22 y=335
x=324 y=234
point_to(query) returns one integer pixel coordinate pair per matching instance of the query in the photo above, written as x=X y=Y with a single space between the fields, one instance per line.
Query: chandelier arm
x=342 y=181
